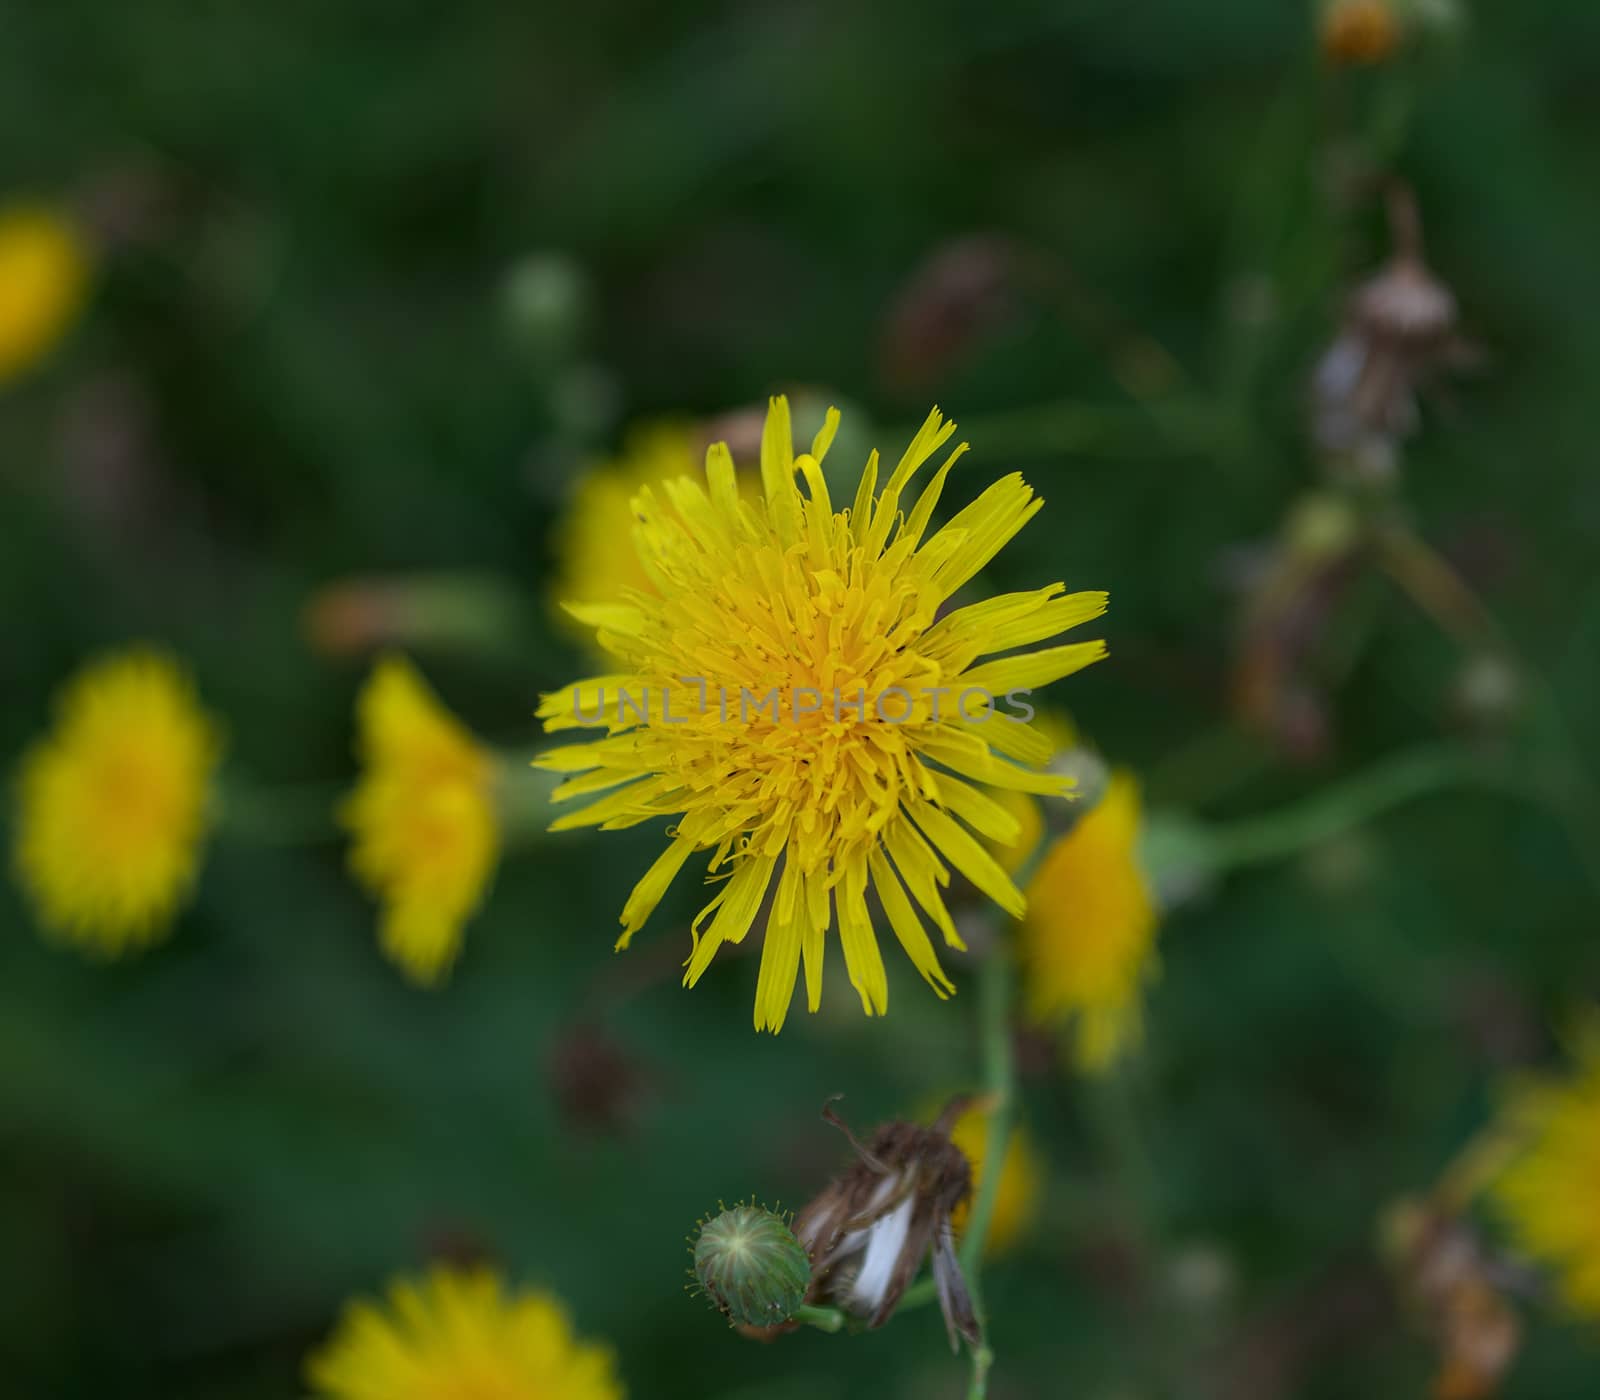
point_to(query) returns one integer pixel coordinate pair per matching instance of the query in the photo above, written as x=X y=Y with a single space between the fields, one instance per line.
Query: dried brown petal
x=870 y=1228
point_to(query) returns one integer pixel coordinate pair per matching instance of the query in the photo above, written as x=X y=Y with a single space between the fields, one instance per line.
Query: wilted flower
x=788 y=604
x=1449 y=1280
x=1360 y=31
x=870 y=1229
x=751 y=1266
x=1399 y=329
x=44 y=273
x=426 y=832
x=463 y=612
x=1087 y=945
x=112 y=803
x=459 y=1332
x=1548 y=1195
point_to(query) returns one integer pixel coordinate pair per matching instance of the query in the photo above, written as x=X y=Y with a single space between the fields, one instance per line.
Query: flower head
x=1548 y=1195
x=1088 y=942
x=1017 y=1198
x=44 y=271
x=807 y=715
x=112 y=803
x=596 y=563
x=423 y=817
x=868 y=1231
x=751 y=1266
x=455 y=1334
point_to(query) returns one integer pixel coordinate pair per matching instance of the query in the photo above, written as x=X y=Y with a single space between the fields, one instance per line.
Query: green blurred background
x=301 y=362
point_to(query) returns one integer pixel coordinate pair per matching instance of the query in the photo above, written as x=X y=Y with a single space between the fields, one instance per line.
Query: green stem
x=823 y=1319
x=523 y=799
x=1346 y=805
x=982 y=1360
x=1117 y=1120
x=1117 y=1117
x=999 y=1075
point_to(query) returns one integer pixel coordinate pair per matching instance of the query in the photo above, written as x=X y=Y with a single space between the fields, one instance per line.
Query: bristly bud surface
x=751 y=1266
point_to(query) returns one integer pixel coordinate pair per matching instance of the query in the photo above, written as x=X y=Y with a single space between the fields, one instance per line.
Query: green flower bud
x=751 y=1266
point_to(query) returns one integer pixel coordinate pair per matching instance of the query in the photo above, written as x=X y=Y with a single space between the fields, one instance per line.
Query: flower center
x=135 y=800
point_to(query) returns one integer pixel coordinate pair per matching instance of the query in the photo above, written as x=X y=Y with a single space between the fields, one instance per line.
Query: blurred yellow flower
x=596 y=559
x=787 y=661
x=1029 y=815
x=1017 y=1202
x=425 y=828
x=1550 y=1193
x=112 y=803
x=457 y=1334
x=44 y=273
x=1088 y=942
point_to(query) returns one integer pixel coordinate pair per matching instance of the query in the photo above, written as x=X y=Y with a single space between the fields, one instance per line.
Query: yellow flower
x=44 y=272
x=596 y=562
x=798 y=694
x=1029 y=817
x=112 y=803
x=1088 y=942
x=1550 y=1194
x=423 y=817
x=457 y=1334
x=1013 y=855
x=1017 y=1200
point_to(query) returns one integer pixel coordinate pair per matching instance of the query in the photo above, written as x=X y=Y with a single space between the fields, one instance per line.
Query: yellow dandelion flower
x=113 y=804
x=1550 y=1193
x=423 y=818
x=458 y=1334
x=595 y=562
x=1016 y=1202
x=1088 y=942
x=788 y=694
x=44 y=273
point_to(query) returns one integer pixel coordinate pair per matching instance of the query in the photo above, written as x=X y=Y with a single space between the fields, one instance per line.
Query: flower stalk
x=1344 y=806
x=823 y=1319
x=996 y=980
